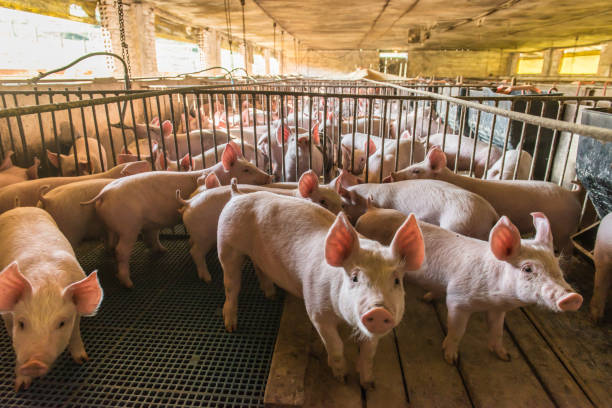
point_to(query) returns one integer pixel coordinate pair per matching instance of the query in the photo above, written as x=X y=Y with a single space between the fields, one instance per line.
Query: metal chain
x=124 y=47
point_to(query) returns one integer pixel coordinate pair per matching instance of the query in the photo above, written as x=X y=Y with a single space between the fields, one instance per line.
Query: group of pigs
x=345 y=247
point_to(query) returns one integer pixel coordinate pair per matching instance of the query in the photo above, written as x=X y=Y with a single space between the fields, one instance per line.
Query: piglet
x=75 y=221
x=603 y=268
x=383 y=161
x=10 y=174
x=514 y=198
x=43 y=292
x=26 y=193
x=66 y=163
x=201 y=212
x=146 y=202
x=341 y=276
x=479 y=276
x=511 y=161
x=301 y=152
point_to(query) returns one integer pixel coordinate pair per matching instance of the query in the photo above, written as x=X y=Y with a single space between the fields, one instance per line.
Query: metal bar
x=505 y=148
x=553 y=146
x=471 y=169
x=24 y=144
x=268 y=109
x=569 y=145
x=76 y=153
x=95 y=118
x=85 y=137
x=536 y=148
x=178 y=162
x=187 y=130
x=57 y=146
x=8 y=123
x=110 y=135
x=214 y=128
x=42 y=134
x=490 y=142
x=519 y=149
x=199 y=116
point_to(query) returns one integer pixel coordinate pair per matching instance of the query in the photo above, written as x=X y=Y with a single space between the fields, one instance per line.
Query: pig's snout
x=33 y=368
x=378 y=320
x=570 y=302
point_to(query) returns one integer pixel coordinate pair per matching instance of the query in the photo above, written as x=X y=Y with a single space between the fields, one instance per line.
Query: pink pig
x=479 y=276
x=341 y=276
x=43 y=292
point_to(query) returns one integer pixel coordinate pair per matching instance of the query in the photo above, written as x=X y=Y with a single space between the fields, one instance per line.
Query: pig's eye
x=416 y=171
x=21 y=325
x=323 y=203
x=355 y=278
x=527 y=268
x=61 y=324
x=246 y=170
x=397 y=281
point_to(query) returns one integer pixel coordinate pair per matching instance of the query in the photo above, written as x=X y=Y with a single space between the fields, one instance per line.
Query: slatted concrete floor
x=161 y=344
x=558 y=360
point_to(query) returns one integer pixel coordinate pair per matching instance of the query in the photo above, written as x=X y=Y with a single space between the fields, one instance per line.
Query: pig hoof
x=231 y=321
x=596 y=315
x=451 y=355
x=205 y=276
x=127 y=282
x=22 y=381
x=270 y=294
x=80 y=358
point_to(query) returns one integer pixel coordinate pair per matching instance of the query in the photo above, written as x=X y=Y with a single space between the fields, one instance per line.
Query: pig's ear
x=283 y=133
x=543 y=232
x=436 y=158
x=211 y=181
x=315 y=134
x=505 y=239
x=166 y=128
x=341 y=241
x=7 y=163
x=229 y=157
x=53 y=158
x=309 y=182
x=155 y=121
x=86 y=294
x=408 y=244
x=32 y=171
x=185 y=162
x=372 y=147
x=141 y=166
x=236 y=148
x=13 y=286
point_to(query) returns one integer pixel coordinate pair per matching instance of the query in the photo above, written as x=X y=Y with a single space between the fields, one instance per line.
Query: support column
x=210 y=48
x=267 y=59
x=605 y=60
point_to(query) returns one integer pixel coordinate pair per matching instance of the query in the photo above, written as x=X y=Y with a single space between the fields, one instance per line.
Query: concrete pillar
x=548 y=57
x=210 y=48
x=555 y=62
x=139 y=25
x=267 y=59
x=605 y=60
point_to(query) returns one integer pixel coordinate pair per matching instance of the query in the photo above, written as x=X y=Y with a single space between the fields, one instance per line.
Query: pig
x=146 y=152
x=274 y=149
x=381 y=164
x=197 y=162
x=354 y=160
x=75 y=221
x=603 y=268
x=67 y=165
x=146 y=202
x=201 y=213
x=465 y=153
x=300 y=153
x=479 y=276
x=432 y=201
x=342 y=277
x=513 y=198
x=44 y=293
x=27 y=192
x=10 y=174
x=510 y=163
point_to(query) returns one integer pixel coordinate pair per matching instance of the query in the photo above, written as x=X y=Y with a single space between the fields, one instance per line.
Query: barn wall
x=454 y=63
x=327 y=63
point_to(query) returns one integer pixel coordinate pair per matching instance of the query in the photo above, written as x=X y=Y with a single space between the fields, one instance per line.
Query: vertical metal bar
x=95 y=118
x=41 y=130
x=398 y=135
x=339 y=149
x=57 y=145
x=367 y=169
x=324 y=145
x=268 y=109
x=490 y=141
x=255 y=130
x=282 y=129
x=199 y=116
x=446 y=126
x=414 y=129
x=76 y=153
x=227 y=117
x=187 y=130
x=121 y=123
x=536 y=149
x=210 y=103
x=382 y=145
x=85 y=138
x=134 y=123
x=24 y=144
x=146 y=119
x=471 y=170
x=569 y=144
x=178 y=159
x=241 y=124
x=356 y=100
x=460 y=138
x=519 y=149
x=505 y=148
x=110 y=133
x=8 y=123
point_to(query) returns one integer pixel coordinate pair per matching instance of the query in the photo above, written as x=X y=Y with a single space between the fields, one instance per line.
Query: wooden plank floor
x=558 y=360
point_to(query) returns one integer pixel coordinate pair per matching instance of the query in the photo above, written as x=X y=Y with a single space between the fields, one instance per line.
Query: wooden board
x=492 y=382
x=430 y=381
x=389 y=389
x=559 y=383
x=285 y=386
x=321 y=388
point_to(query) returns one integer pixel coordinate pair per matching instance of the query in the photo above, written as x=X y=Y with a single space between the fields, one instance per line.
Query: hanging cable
x=124 y=47
x=274 y=25
x=295 y=54
x=228 y=25
x=282 y=54
x=246 y=52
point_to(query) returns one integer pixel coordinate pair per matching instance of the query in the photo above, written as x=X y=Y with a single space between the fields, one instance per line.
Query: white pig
x=10 y=174
x=201 y=213
x=75 y=221
x=66 y=162
x=603 y=268
x=146 y=202
x=432 y=201
x=512 y=156
x=27 y=192
x=302 y=155
x=197 y=161
x=479 y=276
x=514 y=198
x=44 y=293
x=341 y=276
x=384 y=162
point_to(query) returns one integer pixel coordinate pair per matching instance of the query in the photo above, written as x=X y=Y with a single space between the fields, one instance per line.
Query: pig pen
x=164 y=344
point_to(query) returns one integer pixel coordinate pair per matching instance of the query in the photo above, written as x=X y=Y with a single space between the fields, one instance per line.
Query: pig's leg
x=365 y=362
x=75 y=346
x=231 y=262
x=199 y=257
x=327 y=327
x=8 y=323
x=601 y=287
x=151 y=239
x=111 y=241
x=495 y=321
x=457 y=322
x=122 y=253
x=22 y=381
x=265 y=284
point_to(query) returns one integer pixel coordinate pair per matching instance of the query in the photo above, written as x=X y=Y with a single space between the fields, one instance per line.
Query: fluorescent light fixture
x=77 y=11
x=394 y=54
